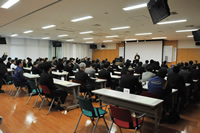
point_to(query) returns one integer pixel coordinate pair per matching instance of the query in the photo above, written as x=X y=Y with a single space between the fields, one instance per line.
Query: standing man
x=137 y=58
x=3 y=70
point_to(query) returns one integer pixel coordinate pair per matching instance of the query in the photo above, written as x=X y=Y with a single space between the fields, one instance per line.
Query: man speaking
x=137 y=58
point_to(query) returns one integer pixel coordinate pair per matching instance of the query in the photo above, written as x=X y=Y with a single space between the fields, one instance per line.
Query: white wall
x=23 y=48
x=187 y=44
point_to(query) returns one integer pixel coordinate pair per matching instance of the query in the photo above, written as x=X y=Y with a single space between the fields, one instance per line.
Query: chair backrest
x=86 y=104
x=45 y=89
x=32 y=84
x=120 y=113
x=153 y=95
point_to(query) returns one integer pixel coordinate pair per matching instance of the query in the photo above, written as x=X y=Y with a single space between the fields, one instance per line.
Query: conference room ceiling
x=34 y=14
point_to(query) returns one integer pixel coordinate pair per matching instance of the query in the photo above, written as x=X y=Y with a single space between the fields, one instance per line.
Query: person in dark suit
x=164 y=64
x=59 y=65
x=18 y=76
x=105 y=74
x=40 y=64
x=3 y=70
x=137 y=58
x=131 y=82
x=30 y=62
x=87 y=84
x=186 y=74
x=68 y=68
x=124 y=69
x=35 y=69
x=177 y=81
x=8 y=63
x=47 y=80
x=114 y=66
x=139 y=69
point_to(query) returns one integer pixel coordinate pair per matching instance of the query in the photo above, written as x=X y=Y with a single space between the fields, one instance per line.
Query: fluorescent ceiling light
x=139 y=34
x=48 y=26
x=62 y=35
x=82 y=18
x=26 y=32
x=135 y=7
x=13 y=35
x=86 y=32
x=111 y=36
x=87 y=38
x=186 y=30
x=130 y=39
x=89 y=42
x=46 y=38
x=107 y=40
x=190 y=36
x=119 y=28
x=171 y=22
x=70 y=40
x=159 y=37
x=9 y=3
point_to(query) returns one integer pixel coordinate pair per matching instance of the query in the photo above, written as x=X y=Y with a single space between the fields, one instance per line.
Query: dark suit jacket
x=68 y=69
x=132 y=83
x=59 y=66
x=124 y=70
x=47 y=80
x=8 y=64
x=35 y=70
x=139 y=69
x=3 y=68
x=186 y=75
x=105 y=74
x=30 y=64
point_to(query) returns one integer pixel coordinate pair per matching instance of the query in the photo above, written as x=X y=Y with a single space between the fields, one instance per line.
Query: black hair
x=9 y=59
x=162 y=73
x=106 y=65
x=18 y=62
x=146 y=61
x=176 y=69
x=46 y=66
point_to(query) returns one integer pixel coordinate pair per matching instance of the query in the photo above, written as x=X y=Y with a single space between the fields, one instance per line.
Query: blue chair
x=92 y=112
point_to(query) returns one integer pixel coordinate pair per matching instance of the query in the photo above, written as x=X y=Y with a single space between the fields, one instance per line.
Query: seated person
x=30 y=62
x=176 y=81
x=114 y=66
x=68 y=68
x=91 y=70
x=35 y=69
x=146 y=64
x=124 y=69
x=186 y=74
x=13 y=65
x=146 y=76
x=8 y=63
x=139 y=69
x=164 y=64
x=47 y=80
x=87 y=84
x=158 y=85
x=18 y=76
x=59 y=65
x=105 y=74
x=24 y=63
x=131 y=82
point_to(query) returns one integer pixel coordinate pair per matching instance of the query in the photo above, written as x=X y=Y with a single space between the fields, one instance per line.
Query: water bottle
x=62 y=78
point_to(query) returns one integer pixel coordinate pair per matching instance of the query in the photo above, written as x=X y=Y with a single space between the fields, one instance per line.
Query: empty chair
x=92 y=112
x=123 y=119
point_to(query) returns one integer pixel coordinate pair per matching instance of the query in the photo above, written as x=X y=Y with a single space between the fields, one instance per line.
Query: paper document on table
x=65 y=83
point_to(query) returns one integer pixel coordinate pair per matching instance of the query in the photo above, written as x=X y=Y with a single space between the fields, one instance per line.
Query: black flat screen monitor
x=2 y=40
x=158 y=10
x=57 y=44
x=196 y=35
x=93 y=46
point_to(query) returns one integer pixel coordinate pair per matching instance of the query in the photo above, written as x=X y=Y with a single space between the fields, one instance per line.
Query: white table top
x=60 y=73
x=97 y=74
x=72 y=77
x=65 y=83
x=152 y=102
x=136 y=74
x=10 y=70
x=97 y=81
x=187 y=84
x=27 y=68
x=115 y=76
x=31 y=76
x=195 y=80
x=116 y=72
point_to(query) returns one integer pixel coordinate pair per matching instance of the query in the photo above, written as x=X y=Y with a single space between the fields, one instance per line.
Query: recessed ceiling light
x=140 y=34
x=13 y=35
x=82 y=18
x=62 y=35
x=46 y=38
x=9 y=3
x=26 y=32
x=130 y=39
x=87 y=38
x=48 y=26
x=89 y=42
x=186 y=30
x=171 y=22
x=70 y=40
x=107 y=40
x=135 y=7
x=159 y=37
x=86 y=32
x=119 y=28
x=112 y=36
x=190 y=36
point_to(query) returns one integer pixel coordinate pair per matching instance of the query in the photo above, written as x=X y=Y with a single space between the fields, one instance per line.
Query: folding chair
x=123 y=119
x=92 y=112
